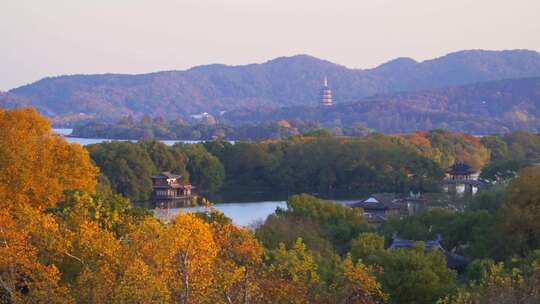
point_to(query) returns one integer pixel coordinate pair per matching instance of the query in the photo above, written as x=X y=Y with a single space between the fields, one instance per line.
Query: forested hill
x=481 y=108
x=286 y=81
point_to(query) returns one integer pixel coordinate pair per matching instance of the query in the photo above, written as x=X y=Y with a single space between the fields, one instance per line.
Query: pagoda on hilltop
x=326 y=95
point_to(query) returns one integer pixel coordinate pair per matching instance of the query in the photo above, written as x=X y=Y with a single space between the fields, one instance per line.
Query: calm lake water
x=244 y=214
x=90 y=141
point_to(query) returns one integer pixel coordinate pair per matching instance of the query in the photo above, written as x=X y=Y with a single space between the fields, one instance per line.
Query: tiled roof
x=460 y=169
x=452 y=260
x=167 y=174
x=380 y=201
x=403 y=243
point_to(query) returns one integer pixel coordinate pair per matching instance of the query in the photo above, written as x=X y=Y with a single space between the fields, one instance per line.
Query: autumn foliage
x=447 y=148
x=61 y=242
x=36 y=166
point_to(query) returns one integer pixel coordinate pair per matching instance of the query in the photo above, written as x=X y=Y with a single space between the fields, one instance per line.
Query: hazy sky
x=41 y=38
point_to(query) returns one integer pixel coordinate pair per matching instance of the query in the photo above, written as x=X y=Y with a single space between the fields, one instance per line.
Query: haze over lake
x=90 y=141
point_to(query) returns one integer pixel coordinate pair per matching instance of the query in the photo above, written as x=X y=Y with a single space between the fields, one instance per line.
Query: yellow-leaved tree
x=238 y=266
x=184 y=255
x=360 y=286
x=23 y=279
x=291 y=276
x=36 y=166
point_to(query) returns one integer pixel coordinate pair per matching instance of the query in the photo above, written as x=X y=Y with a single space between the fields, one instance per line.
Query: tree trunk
x=246 y=287
x=184 y=273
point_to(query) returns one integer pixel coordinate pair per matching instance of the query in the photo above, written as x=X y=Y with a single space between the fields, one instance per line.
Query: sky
x=40 y=38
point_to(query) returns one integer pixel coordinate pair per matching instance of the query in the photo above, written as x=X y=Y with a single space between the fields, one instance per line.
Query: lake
x=89 y=141
x=243 y=214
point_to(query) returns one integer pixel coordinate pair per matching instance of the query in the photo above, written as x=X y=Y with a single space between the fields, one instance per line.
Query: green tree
x=206 y=171
x=523 y=145
x=165 y=158
x=521 y=213
x=502 y=171
x=127 y=166
x=497 y=147
x=339 y=224
x=499 y=285
x=366 y=246
x=415 y=276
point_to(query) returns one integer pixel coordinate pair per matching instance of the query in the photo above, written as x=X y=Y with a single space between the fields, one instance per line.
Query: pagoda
x=326 y=95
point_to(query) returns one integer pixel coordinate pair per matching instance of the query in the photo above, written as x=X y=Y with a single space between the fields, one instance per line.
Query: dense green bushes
x=315 y=162
x=129 y=166
x=498 y=234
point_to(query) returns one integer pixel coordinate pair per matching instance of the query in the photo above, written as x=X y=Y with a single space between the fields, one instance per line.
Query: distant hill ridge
x=481 y=108
x=281 y=82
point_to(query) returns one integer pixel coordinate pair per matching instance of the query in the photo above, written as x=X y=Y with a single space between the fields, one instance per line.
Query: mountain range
x=281 y=83
x=480 y=108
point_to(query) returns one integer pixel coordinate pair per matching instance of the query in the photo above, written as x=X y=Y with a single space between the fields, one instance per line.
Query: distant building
x=379 y=207
x=460 y=171
x=461 y=178
x=169 y=191
x=326 y=95
x=453 y=260
x=200 y=116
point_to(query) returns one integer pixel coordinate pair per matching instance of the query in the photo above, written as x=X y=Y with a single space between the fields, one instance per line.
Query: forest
x=313 y=162
x=158 y=128
x=69 y=233
x=484 y=108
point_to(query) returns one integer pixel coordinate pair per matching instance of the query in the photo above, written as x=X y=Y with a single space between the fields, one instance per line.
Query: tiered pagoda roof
x=326 y=94
x=460 y=169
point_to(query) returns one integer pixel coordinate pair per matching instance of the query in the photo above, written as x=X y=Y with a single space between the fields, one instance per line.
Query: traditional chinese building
x=168 y=191
x=379 y=207
x=453 y=260
x=463 y=176
x=460 y=171
x=326 y=95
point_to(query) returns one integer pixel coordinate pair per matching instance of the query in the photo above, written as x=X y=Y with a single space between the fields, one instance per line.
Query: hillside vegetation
x=286 y=81
x=481 y=108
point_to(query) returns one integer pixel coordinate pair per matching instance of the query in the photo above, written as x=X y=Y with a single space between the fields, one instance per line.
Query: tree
x=291 y=275
x=23 y=278
x=95 y=260
x=140 y=285
x=238 y=266
x=449 y=148
x=523 y=145
x=127 y=120
x=521 y=213
x=366 y=245
x=164 y=158
x=497 y=147
x=36 y=166
x=338 y=223
x=286 y=229
x=360 y=287
x=415 y=276
x=501 y=286
x=500 y=172
x=206 y=171
x=111 y=212
x=127 y=166
x=184 y=256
